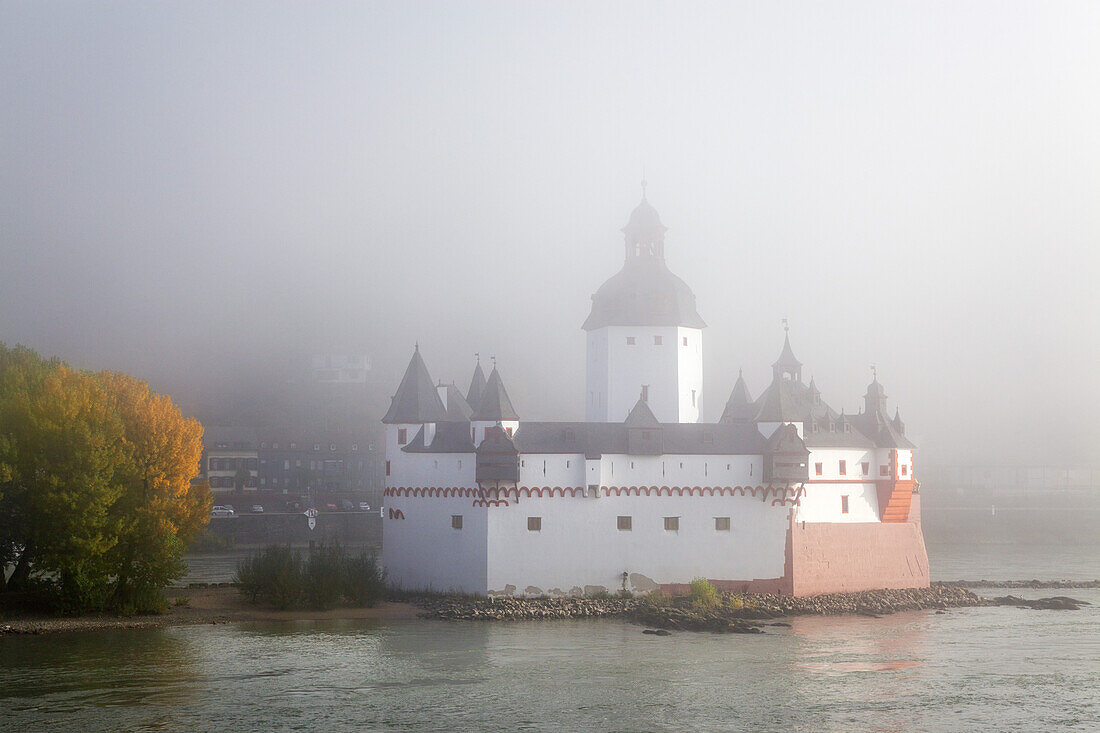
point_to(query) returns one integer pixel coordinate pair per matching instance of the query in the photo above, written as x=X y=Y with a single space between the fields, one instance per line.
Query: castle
x=782 y=494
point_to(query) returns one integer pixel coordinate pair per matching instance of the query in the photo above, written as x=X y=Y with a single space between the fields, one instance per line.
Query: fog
x=201 y=193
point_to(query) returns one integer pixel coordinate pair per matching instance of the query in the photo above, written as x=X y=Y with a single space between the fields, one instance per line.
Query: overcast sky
x=193 y=189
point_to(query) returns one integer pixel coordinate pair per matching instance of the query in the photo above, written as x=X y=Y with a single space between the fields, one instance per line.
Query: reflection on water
x=983 y=668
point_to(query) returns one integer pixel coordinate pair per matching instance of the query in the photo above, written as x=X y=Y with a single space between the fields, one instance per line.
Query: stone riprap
x=738 y=613
x=1021 y=583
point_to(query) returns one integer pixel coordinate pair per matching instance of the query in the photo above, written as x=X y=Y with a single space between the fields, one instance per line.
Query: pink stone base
x=845 y=558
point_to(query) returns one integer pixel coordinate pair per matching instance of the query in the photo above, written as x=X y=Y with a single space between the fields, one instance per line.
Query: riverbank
x=223 y=603
x=208 y=604
x=734 y=613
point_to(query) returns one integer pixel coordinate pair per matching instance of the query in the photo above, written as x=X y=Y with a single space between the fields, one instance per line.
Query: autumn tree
x=159 y=509
x=96 y=498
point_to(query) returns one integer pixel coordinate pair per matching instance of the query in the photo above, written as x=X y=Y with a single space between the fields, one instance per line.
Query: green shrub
x=364 y=581
x=703 y=594
x=324 y=576
x=278 y=576
x=272 y=577
x=659 y=600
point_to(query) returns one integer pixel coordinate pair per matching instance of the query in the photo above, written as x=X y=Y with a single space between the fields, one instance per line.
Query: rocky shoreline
x=1036 y=584
x=734 y=613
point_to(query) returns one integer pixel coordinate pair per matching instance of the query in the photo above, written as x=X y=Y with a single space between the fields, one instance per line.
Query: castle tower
x=644 y=333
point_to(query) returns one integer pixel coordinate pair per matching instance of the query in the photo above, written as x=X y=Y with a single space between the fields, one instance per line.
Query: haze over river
x=996 y=668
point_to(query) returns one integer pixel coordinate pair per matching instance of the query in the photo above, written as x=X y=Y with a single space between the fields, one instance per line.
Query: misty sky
x=192 y=191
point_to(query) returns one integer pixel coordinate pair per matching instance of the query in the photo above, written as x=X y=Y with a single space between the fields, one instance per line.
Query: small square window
x=883 y=470
x=657 y=340
x=844 y=468
x=456 y=521
x=817 y=468
x=844 y=504
x=672 y=524
x=534 y=524
x=629 y=340
x=721 y=524
x=624 y=523
x=866 y=468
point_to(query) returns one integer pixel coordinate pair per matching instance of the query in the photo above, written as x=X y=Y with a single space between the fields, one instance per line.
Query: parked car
x=346 y=506
x=221 y=511
x=330 y=507
x=364 y=506
x=257 y=509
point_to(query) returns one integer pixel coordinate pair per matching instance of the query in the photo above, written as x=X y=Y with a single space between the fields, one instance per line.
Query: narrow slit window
x=817 y=468
x=843 y=468
x=402 y=436
x=844 y=504
x=865 y=467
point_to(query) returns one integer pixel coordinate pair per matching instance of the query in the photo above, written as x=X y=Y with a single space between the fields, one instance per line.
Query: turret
x=416 y=406
x=644 y=329
x=493 y=409
x=739 y=406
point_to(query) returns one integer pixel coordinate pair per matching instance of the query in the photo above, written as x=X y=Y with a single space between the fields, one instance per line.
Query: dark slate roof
x=494 y=403
x=450 y=437
x=497 y=457
x=788 y=400
x=882 y=430
x=644 y=293
x=416 y=400
x=644 y=222
x=739 y=406
x=477 y=386
x=835 y=432
x=458 y=409
x=595 y=439
x=785 y=440
x=787 y=358
x=641 y=417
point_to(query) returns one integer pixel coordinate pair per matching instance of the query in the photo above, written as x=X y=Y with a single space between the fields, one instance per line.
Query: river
x=981 y=669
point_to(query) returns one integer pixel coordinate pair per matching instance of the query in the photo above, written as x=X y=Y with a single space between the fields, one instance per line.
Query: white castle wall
x=617 y=370
x=580 y=545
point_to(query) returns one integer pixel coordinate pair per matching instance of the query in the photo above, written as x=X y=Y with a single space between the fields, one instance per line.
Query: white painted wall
x=822 y=503
x=617 y=370
x=421 y=551
x=579 y=544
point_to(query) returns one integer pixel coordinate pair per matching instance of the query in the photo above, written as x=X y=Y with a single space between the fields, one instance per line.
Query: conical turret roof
x=739 y=406
x=416 y=400
x=494 y=403
x=477 y=386
x=458 y=409
x=787 y=359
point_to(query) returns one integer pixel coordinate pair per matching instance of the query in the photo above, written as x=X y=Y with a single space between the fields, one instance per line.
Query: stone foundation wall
x=846 y=558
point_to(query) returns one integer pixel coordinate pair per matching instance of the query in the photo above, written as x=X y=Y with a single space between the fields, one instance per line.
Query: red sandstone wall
x=842 y=558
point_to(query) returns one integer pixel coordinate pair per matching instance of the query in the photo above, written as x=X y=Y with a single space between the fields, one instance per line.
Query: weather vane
x=874 y=373
x=786 y=326
x=477 y=356
x=494 y=360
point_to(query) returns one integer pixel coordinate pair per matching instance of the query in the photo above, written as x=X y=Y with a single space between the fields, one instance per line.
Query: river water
x=980 y=669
